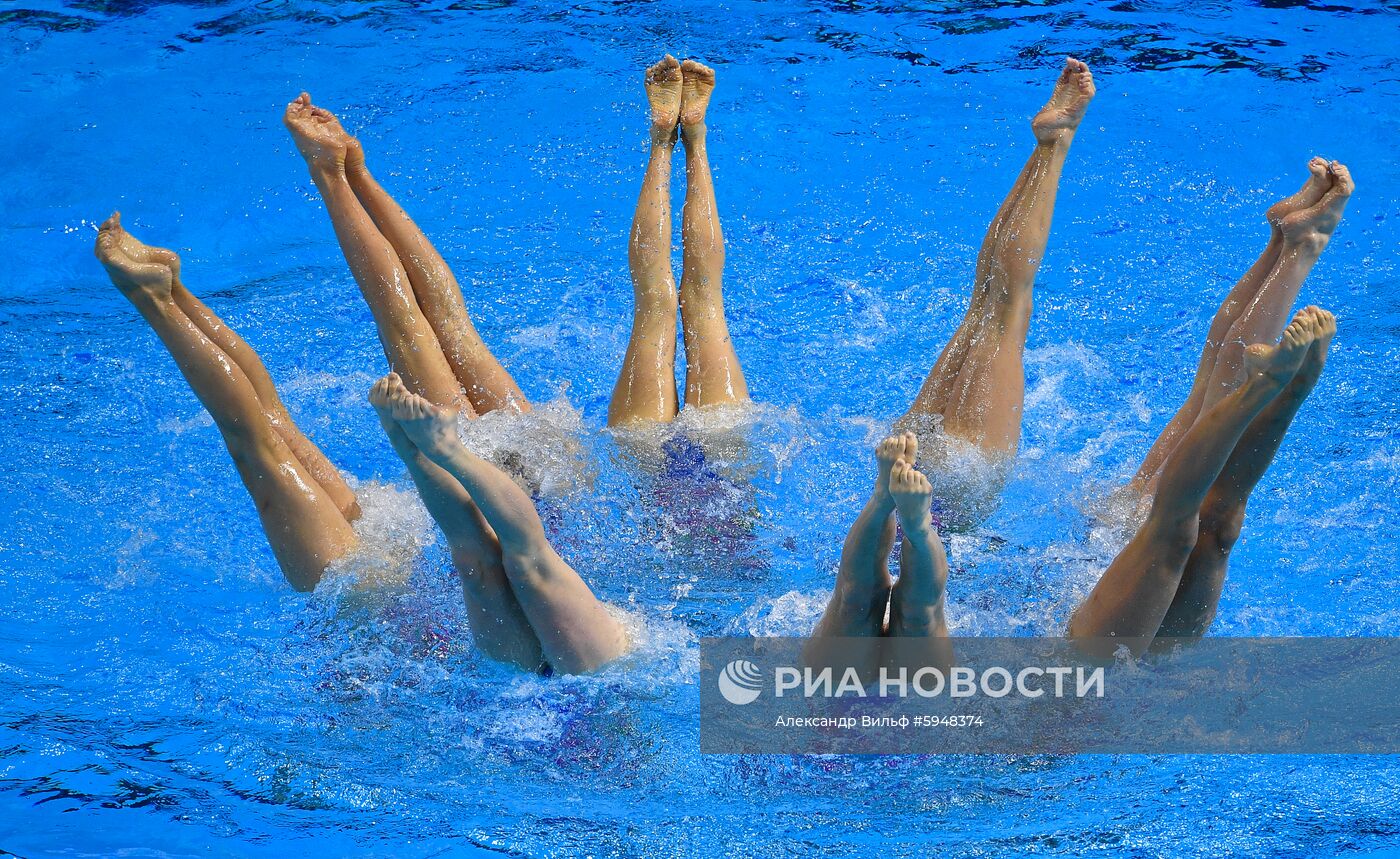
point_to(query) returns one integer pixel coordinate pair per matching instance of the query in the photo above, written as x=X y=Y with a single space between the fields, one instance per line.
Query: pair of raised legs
x=1199 y=474
x=867 y=602
x=305 y=505
x=679 y=94
x=975 y=392
x=527 y=607
x=1166 y=582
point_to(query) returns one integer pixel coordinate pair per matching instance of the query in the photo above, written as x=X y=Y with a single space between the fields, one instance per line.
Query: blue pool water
x=164 y=693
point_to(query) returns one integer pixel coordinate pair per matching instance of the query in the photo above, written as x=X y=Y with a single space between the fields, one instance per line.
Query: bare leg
x=646 y=387
x=409 y=343
x=305 y=528
x=712 y=372
x=1131 y=599
x=916 y=602
x=1240 y=297
x=498 y=622
x=1302 y=233
x=575 y=632
x=978 y=383
x=1305 y=235
x=862 y=594
x=486 y=382
x=1222 y=513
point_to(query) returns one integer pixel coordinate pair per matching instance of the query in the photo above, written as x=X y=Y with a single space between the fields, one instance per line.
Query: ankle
x=326 y=173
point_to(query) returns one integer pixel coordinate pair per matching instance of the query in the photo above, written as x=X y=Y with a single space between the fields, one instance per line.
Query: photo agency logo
x=741 y=682
x=1048 y=696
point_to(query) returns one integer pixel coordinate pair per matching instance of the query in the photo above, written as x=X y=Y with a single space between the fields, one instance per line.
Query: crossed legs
x=418 y=309
x=977 y=387
x=527 y=606
x=865 y=593
x=1146 y=591
x=679 y=94
x=303 y=502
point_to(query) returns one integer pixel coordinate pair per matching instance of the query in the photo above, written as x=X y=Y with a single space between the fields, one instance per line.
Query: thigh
x=303 y=524
x=576 y=632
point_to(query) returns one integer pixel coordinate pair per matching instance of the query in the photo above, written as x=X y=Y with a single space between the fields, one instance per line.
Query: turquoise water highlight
x=163 y=689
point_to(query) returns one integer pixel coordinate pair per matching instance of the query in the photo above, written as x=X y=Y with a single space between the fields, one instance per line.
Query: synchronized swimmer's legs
x=1132 y=599
x=645 y=390
x=488 y=385
x=1256 y=308
x=409 y=343
x=303 y=520
x=1223 y=511
x=865 y=593
x=712 y=372
x=646 y=386
x=575 y=632
x=498 y=622
x=977 y=386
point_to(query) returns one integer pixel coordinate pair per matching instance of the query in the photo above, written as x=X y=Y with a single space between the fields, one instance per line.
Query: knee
x=1176 y=538
x=476 y=567
x=1222 y=526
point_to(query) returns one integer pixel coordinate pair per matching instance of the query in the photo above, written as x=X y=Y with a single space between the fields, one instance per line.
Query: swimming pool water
x=162 y=692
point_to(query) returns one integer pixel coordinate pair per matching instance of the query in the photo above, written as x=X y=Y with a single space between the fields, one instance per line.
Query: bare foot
x=913 y=496
x=1060 y=116
x=899 y=446
x=1319 y=181
x=697 y=83
x=320 y=138
x=1279 y=363
x=1312 y=227
x=380 y=394
x=138 y=270
x=663 y=84
x=432 y=429
x=1324 y=328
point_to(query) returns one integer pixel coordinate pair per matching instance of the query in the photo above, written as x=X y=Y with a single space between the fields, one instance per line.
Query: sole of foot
x=137 y=269
x=1057 y=121
x=697 y=84
x=1312 y=227
x=663 y=83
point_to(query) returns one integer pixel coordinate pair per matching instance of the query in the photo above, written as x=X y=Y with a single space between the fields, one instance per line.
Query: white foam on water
x=392 y=530
x=541 y=449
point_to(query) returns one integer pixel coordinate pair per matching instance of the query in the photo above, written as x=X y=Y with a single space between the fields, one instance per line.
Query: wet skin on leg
x=646 y=386
x=409 y=343
x=303 y=524
x=1222 y=514
x=1305 y=224
x=712 y=372
x=498 y=622
x=977 y=385
x=575 y=632
x=1131 y=599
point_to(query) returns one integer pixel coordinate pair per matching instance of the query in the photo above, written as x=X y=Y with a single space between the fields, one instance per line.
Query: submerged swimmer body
x=305 y=505
x=968 y=412
x=530 y=609
x=678 y=94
